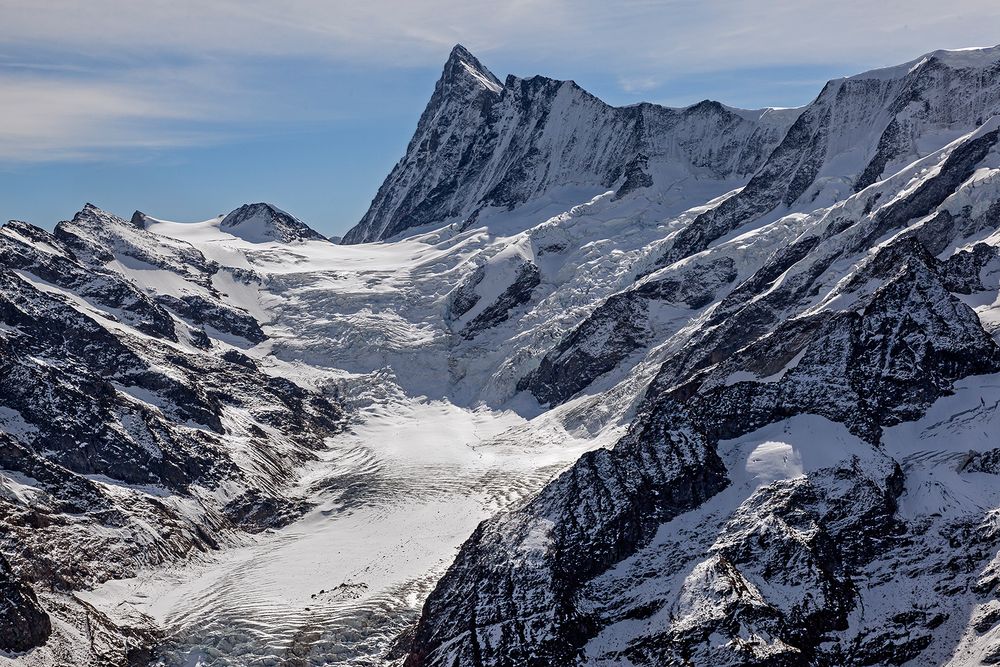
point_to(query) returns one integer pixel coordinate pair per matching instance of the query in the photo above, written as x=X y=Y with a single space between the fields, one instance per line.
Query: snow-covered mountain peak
x=462 y=66
x=481 y=146
x=263 y=223
x=91 y=214
x=971 y=58
x=858 y=131
x=95 y=222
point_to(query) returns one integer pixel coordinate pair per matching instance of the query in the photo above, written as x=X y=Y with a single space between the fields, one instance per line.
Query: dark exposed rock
x=890 y=145
x=517 y=293
x=788 y=536
x=464 y=297
x=257 y=512
x=61 y=268
x=23 y=623
x=265 y=222
x=97 y=237
x=635 y=176
x=138 y=220
x=224 y=318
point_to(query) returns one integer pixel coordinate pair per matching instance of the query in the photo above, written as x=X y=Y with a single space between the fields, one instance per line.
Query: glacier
x=587 y=385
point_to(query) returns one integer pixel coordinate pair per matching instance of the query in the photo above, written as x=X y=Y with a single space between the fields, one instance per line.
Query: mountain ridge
x=646 y=386
x=474 y=124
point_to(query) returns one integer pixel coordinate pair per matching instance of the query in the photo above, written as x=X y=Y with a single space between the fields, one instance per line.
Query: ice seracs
x=634 y=386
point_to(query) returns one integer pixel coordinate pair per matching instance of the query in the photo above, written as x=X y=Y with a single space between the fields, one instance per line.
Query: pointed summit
x=483 y=145
x=462 y=103
x=463 y=68
x=460 y=52
x=88 y=209
x=93 y=215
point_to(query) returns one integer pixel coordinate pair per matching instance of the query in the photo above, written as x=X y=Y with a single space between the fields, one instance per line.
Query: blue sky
x=187 y=109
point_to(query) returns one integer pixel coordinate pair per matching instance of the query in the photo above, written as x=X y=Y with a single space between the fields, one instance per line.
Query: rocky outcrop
x=517 y=293
x=23 y=623
x=261 y=222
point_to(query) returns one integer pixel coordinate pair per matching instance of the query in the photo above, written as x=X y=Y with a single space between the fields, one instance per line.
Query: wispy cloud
x=80 y=79
x=638 y=84
x=55 y=114
x=667 y=34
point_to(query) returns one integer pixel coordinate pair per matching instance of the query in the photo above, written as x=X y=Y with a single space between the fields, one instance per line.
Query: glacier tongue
x=386 y=504
x=616 y=386
x=392 y=499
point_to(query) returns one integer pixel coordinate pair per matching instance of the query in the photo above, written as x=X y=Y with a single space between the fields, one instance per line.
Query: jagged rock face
x=119 y=407
x=610 y=334
x=517 y=576
x=260 y=223
x=619 y=327
x=18 y=251
x=23 y=624
x=773 y=480
x=779 y=579
x=111 y=369
x=855 y=132
x=480 y=143
x=444 y=143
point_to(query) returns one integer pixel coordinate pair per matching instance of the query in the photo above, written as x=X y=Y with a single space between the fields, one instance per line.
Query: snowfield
x=392 y=499
x=586 y=386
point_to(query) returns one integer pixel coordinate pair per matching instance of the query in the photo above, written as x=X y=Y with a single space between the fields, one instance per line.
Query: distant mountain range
x=587 y=385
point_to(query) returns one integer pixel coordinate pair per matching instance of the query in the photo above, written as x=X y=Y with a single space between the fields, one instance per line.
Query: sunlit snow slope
x=586 y=386
x=391 y=500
